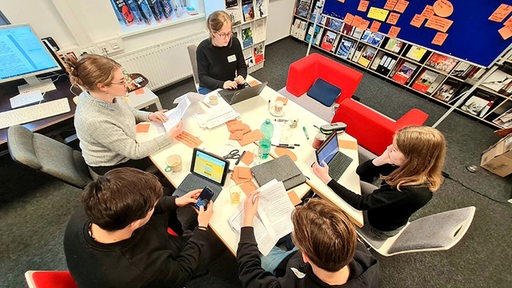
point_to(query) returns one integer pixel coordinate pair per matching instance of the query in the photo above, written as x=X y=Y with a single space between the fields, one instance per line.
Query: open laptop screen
x=209 y=166
x=328 y=149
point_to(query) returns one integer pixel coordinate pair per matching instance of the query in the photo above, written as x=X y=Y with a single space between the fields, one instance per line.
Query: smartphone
x=205 y=197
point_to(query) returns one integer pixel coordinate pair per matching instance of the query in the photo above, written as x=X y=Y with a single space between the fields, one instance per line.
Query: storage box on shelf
x=249 y=19
x=431 y=74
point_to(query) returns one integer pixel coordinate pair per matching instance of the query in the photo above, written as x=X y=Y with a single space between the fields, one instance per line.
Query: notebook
x=206 y=170
x=329 y=152
x=235 y=96
x=282 y=169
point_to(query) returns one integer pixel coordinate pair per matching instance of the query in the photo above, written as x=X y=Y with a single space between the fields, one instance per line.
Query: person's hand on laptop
x=189 y=198
x=203 y=216
x=176 y=130
x=240 y=80
x=250 y=208
x=158 y=116
x=322 y=171
x=230 y=85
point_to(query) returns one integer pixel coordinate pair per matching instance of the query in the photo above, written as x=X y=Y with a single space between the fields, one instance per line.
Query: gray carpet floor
x=34 y=208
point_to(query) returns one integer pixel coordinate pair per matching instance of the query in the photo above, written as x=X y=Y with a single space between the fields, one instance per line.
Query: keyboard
x=34 y=112
x=338 y=165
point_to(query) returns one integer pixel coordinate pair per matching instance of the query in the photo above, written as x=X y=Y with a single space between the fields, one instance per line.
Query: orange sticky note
x=244 y=172
x=347 y=144
x=294 y=198
x=390 y=4
x=508 y=23
x=439 y=38
x=401 y=5
x=439 y=23
x=139 y=91
x=363 y=5
x=280 y=151
x=443 y=8
x=348 y=19
x=250 y=137
x=247 y=158
x=142 y=127
x=417 y=20
x=428 y=11
x=393 y=18
x=393 y=31
x=248 y=187
x=500 y=13
x=505 y=32
x=189 y=139
x=375 y=26
x=254 y=83
x=364 y=24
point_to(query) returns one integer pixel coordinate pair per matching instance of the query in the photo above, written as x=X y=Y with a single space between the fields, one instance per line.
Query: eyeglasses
x=224 y=35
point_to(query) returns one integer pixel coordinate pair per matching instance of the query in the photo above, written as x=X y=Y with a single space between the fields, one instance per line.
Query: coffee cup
x=278 y=107
x=235 y=193
x=173 y=163
x=213 y=100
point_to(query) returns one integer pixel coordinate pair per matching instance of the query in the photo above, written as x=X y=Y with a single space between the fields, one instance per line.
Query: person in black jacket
x=328 y=254
x=410 y=170
x=119 y=238
x=220 y=61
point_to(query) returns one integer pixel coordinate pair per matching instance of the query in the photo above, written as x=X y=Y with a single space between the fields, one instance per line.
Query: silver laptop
x=235 y=96
x=206 y=170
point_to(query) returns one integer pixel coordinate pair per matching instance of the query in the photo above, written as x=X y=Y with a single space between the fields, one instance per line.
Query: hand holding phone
x=205 y=197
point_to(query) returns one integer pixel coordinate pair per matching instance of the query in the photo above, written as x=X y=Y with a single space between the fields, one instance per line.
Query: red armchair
x=303 y=73
x=373 y=130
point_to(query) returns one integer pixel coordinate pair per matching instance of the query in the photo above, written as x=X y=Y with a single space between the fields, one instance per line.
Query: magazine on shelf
x=334 y=24
x=404 y=72
x=357 y=32
x=303 y=8
x=259 y=31
x=248 y=10
x=321 y=19
x=236 y=15
x=367 y=56
x=236 y=34
x=358 y=51
x=316 y=38
x=504 y=120
x=416 y=52
x=346 y=45
x=462 y=70
x=498 y=80
x=394 y=45
x=347 y=29
x=441 y=62
x=246 y=36
x=248 y=56
x=376 y=60
x=447 y=90
x=258 y=54
x=478 y=103
x=261 y=8
x=328 y=40
x=372 y=38
x=425 y=80
x=439 y=79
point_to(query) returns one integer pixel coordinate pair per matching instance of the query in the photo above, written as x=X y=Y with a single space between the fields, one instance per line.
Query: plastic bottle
x=267 y=129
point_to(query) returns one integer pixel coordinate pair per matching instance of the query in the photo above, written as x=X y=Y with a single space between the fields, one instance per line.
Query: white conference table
x=253 y=112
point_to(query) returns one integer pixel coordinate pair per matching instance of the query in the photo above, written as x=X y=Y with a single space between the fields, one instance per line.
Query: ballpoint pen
x=305 y=132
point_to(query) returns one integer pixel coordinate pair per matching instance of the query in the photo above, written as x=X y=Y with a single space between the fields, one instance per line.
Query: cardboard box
x=498 y=158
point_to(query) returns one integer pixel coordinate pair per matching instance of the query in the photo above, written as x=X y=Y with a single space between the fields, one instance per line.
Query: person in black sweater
x=328 y=254
x=410 y=170
x=220 y=61
x=119 y=238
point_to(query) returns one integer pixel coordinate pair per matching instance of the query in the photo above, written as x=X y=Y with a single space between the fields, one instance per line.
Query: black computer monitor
x=24 y=56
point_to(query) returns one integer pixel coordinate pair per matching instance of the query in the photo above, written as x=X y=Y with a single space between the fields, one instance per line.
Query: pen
x=284 y=146
x=305 y=132
x=239 y=158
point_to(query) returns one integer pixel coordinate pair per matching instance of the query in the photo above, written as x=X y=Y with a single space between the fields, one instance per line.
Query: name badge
x=232 y=58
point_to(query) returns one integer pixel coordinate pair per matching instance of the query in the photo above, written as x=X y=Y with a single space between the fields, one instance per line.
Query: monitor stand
x=33 y=84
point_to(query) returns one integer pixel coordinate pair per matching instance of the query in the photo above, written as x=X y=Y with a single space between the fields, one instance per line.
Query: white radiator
x=163 y=63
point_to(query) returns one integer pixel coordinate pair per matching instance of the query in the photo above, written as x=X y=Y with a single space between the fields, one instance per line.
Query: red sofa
x=373 y=130
x=303 y=73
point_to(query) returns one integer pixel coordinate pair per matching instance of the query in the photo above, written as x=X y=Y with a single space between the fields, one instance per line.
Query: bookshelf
x=249 y=19
x=439 y=77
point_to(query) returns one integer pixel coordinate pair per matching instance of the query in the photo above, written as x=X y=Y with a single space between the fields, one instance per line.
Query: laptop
x=329 y=152
x=206 y=170
x=239 y=95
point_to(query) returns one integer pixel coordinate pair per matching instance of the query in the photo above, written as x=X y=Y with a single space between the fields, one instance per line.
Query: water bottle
x=267 y=129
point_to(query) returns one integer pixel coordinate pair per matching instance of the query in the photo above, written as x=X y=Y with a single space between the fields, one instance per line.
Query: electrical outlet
x=110 y=46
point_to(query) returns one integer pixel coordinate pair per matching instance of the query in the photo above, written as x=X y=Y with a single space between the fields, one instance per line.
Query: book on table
x=273 y=219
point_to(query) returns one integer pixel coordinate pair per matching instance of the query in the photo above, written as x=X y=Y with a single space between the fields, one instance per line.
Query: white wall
x=279 y=20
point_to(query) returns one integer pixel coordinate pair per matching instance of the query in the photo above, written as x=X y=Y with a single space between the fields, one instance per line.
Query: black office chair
x=47 y=155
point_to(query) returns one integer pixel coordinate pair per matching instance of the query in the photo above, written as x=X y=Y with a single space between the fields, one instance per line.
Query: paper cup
x=173 y=163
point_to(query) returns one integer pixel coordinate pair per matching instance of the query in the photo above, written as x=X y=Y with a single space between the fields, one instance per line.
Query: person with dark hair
x=119 y=237
x=220 y=61
x=105 y=123
x=328 y=254
x=410 y=170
